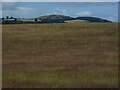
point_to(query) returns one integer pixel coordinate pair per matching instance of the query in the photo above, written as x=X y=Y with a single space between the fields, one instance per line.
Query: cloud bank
x=15 y=10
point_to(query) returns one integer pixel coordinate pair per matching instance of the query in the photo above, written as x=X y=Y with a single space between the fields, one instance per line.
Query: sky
x=105 y=10
x=59 y=0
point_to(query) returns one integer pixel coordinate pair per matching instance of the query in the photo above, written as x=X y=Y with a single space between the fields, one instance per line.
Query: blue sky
x=105 y=10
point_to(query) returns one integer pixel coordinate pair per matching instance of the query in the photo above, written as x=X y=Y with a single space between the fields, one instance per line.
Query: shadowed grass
x=55 y=78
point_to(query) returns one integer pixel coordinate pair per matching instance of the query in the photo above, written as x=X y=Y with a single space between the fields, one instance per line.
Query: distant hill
x=92 y=19
x=54 y=18
x=65 y=19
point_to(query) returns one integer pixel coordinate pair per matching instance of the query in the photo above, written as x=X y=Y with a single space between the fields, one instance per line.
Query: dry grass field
x=60 y=55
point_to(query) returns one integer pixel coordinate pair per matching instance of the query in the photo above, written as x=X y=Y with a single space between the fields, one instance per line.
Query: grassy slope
x=76 y=21
x=60 y=55
x=26 y=19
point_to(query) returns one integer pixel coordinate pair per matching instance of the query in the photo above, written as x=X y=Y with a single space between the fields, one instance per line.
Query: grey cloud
x=15 y=9
x=9 y=6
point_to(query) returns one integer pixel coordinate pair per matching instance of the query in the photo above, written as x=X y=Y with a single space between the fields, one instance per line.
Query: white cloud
x=24 y=9
x=60 y=11
x=84 y=13
x=18 y=12
x=15 y=9
x=60 y=0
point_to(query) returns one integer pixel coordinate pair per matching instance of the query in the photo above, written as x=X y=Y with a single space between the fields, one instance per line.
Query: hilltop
x=92 y=19
x=55 y=18
x=63 y=19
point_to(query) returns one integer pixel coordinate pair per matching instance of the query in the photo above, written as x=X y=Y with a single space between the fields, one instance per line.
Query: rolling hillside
x=63 y=19
x=53 y=19
x=92 y=19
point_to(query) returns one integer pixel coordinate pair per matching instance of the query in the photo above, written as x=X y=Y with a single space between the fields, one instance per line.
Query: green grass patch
x=76 y=21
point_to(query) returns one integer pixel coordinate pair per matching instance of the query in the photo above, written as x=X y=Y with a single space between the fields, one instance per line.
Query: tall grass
x=60 y=55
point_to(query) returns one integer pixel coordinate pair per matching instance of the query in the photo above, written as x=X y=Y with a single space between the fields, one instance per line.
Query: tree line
x=7 y=17
x=15 y=19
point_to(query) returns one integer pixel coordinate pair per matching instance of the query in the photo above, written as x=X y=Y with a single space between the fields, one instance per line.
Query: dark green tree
x=36 y=19
x=3 y=18
x=6 y=22
x=15 y=19
x=7 y=17
x=11 y=17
